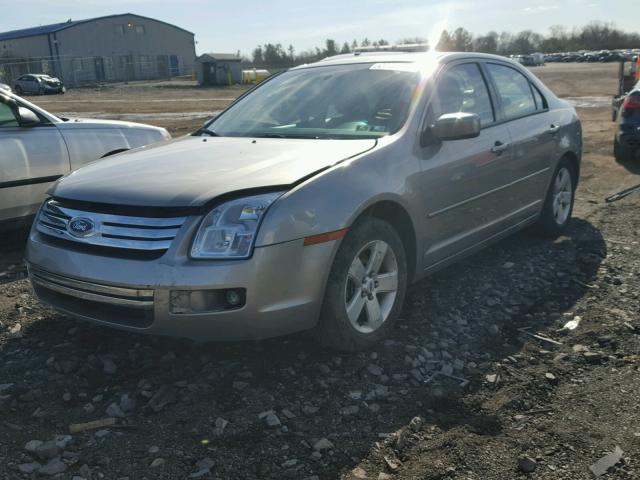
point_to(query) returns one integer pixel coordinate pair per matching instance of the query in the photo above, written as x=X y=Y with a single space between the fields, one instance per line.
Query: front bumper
x=284 y=289
x=54 y=89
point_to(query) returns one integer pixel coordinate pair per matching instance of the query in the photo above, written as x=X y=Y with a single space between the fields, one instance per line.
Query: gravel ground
x=461 y=390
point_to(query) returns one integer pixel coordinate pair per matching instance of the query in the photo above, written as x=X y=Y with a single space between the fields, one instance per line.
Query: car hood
x=190 y=171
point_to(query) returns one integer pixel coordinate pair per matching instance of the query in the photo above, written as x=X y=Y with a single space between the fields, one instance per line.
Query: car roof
x=409 y=57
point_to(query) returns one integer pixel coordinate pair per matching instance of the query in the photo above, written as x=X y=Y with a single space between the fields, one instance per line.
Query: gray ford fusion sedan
x=312 y=201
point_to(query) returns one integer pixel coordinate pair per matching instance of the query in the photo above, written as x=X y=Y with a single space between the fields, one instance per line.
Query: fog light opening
x=234 y=298
x=207 y=301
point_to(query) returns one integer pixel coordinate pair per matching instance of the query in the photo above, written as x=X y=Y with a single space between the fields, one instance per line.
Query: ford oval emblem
x=81 y=227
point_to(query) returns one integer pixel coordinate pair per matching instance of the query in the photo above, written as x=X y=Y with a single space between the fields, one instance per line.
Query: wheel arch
x=574 y=161
x=398 y=217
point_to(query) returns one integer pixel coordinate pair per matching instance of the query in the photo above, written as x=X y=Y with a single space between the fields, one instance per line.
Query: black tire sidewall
x=622 y=153
x=618 y=152
x=334 y=328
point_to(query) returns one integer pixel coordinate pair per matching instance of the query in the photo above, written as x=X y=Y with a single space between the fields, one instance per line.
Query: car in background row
x=532 y=60
x=603 y=56
x=5 y=87
x=626 y=143
x=38 y=84
x=37 y=148
x=312 y=201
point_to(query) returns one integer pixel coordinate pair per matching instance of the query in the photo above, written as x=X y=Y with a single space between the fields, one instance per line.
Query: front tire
x=558 y=205
x=366 y=287
x=18 y=90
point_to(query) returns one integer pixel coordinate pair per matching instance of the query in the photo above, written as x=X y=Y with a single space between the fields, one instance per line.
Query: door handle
x=499 y=147
x=554 y=129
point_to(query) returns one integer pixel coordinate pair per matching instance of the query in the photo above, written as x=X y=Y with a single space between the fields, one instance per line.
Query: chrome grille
x=107 y=230
x=129 y=297
x=132 y=307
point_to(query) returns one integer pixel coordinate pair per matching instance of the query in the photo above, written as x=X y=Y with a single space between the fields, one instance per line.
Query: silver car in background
x=38 y=84
x=37 y=148
x=312 y=201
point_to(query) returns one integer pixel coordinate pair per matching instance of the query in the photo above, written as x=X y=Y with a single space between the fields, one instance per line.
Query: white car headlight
x=229 y=230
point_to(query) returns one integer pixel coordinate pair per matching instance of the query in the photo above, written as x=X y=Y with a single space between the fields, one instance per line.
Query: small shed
x=219 y=69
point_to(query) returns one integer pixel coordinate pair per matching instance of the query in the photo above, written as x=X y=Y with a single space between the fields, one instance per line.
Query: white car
x=5 y=87
x=37 y=148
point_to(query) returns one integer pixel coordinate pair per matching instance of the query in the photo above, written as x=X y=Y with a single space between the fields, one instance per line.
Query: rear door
x=462 y=181
x=31 y=158
x=534 y=136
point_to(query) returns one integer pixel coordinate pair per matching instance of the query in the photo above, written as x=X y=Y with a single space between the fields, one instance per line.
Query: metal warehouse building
x=120 y=47
x=219 y=69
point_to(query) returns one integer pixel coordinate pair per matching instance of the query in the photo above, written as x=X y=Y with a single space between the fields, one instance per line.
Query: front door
x=174 y=69
x=163 y=69
x=99 y=67
x=32 y=158
x=463 y=181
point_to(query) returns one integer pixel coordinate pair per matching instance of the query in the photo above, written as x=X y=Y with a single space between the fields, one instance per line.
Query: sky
x=229 y=26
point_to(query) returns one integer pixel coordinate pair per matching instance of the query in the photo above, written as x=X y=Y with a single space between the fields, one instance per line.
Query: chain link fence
x=86 y=71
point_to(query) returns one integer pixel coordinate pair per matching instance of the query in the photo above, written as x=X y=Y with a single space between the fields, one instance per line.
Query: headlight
x=230 y=229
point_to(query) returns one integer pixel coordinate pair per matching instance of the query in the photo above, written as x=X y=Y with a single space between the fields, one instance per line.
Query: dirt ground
x=179 y=106
x=462 y=389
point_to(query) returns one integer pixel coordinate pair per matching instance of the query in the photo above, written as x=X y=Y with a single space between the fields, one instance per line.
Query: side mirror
x=27 y=118
x=456 y=126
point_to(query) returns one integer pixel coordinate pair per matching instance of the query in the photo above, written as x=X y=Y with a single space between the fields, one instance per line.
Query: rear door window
x=462 y=88
x=514 y=90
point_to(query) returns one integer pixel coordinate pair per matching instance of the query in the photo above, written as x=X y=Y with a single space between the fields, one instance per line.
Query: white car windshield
x=337 y=102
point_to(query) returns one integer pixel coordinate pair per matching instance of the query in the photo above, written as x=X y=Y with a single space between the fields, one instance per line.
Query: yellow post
x=638 y=67
x=193 y=74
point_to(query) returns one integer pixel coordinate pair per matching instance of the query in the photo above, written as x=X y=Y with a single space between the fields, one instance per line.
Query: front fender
x=335 y=198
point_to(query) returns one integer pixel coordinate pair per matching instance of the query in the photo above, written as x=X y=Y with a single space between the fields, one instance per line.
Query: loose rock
x=527 y=464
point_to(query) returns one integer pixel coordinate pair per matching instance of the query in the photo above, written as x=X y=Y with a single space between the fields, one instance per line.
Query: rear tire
x=621 y=153
x=18 y=90
x=366 y=287
x=558 y=205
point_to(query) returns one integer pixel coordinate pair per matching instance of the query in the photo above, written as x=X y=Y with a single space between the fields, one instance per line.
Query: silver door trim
x=472 y=248
x=465 y=234
x=484 y=194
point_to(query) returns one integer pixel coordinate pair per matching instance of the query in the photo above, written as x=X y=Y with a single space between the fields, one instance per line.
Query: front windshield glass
x=342 y=102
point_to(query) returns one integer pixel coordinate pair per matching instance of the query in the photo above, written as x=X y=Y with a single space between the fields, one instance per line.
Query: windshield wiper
x=284 y=135
x=205 y=131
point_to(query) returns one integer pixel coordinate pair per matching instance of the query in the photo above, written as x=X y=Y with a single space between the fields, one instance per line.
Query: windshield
x=341 y=102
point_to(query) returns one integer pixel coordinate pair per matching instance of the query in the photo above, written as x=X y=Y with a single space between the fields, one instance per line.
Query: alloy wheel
x=562 y=196
x=371 y=286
